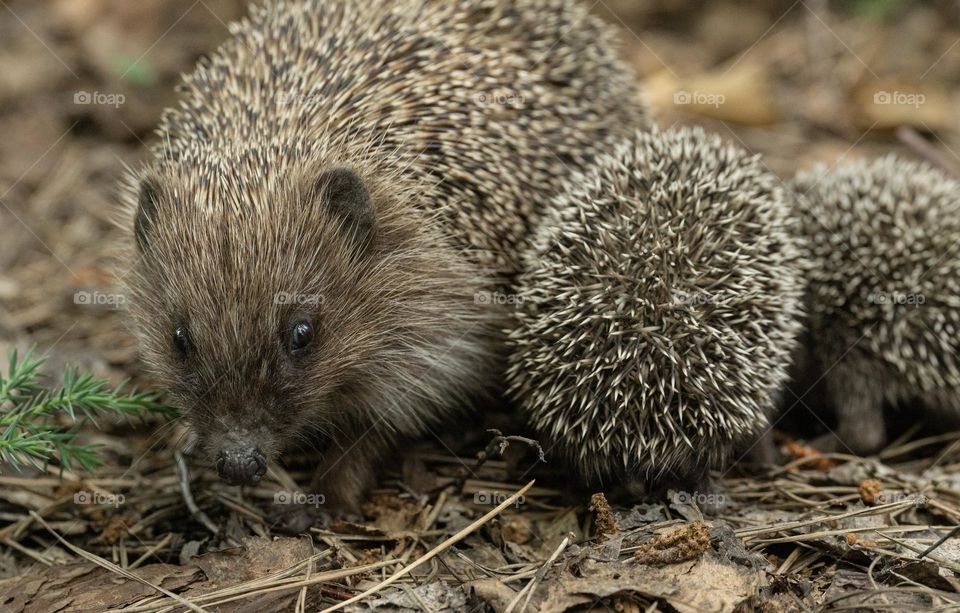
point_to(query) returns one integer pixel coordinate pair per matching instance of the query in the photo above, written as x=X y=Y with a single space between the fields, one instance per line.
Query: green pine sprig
x=38 y=424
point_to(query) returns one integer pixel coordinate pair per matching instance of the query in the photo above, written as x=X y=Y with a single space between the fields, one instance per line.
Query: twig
x=26 y=551
x=498 y=444
x=943 y=539
x=754 y=533
x=240 y=592
x=927 y=151
x=113 y=567
x=149 y=552
x=529 y=589
x=459 y=536
x=302 y=598
x=945 y=563
x=183 y=477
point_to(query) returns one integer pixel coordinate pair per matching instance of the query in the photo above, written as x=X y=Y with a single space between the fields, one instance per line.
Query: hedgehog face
x=270 y=323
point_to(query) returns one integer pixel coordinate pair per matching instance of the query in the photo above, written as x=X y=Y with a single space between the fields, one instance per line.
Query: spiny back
x=483 y=105
x=659 y=308
x=882 y=239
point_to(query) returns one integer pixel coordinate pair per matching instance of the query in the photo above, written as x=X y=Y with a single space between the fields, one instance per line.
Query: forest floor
x=82 y=84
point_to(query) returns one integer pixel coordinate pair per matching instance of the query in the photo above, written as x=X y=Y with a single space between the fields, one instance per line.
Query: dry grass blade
x=753 y=533
x=527 y=592
x=243 y=591
x=436 y=550
x=113 y=567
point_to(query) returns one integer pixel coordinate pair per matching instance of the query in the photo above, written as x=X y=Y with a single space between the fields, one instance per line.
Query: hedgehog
x=657 y=311
x=882 y=292
x=314 y=242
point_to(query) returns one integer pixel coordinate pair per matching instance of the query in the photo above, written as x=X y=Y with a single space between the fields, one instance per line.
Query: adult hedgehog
x=659 y=308
x=337 y=185
x=884 y=307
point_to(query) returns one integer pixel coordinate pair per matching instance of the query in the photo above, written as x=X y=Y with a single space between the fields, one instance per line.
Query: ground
x=82 y=83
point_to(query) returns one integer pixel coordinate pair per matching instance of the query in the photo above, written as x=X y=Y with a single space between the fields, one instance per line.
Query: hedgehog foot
x=709 y=495
x=346 y=473
x=866 y=442
x=764 y=451
x=858 y=396
x=696 y=488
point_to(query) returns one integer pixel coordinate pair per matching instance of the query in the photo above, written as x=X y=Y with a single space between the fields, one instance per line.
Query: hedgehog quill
x=338 y=183
x=660 y=305
x=883 y=286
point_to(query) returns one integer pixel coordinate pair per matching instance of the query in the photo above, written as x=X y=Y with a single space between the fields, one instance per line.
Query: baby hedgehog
x=658 y=311
x=339 y=183
x=882 y=240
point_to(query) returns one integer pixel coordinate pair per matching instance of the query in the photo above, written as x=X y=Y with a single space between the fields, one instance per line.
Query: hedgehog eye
x=300 y=337
x=181 y=340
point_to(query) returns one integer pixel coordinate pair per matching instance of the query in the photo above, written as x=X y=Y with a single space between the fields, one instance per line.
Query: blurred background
x=83 y=82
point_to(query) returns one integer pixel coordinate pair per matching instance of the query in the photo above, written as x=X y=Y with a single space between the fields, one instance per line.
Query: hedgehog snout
x=241 y=465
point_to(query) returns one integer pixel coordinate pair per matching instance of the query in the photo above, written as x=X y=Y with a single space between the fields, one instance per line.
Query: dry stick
x=956 y=530
x=302 y=598
x=922 y=147
x=183 y=476
x=942 y=562
x=435 y=511
x=113 y=567
x=39 y=557
x=498 y=443
x=321 y=578
x=892 y=452
x=753 y=533
x=149 y=552
x=537 y=578
x=16 y=530
x=943 y=539
x=459 y=536
x=283 y=576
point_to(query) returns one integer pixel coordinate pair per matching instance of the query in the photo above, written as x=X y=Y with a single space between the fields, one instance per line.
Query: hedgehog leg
x=339 y=482
x=763 y=451
x=347 y=472
x=690 y=484
x=858 y=400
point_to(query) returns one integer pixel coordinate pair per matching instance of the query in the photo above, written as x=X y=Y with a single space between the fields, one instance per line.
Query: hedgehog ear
x=146 y=212
x=343 y=191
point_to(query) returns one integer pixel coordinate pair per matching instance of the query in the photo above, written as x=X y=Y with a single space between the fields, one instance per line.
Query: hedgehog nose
x=241 y=465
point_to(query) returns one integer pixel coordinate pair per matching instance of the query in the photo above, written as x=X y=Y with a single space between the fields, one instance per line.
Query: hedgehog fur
x=883 y=291
x=380 y=162
x=658 y=310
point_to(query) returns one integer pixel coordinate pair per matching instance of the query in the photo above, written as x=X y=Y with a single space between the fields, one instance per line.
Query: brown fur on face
x=397 y=331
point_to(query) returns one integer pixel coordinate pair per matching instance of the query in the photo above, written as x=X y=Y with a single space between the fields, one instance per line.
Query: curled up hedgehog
x=883 y=244
x=337 y=185
x=659 y=307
